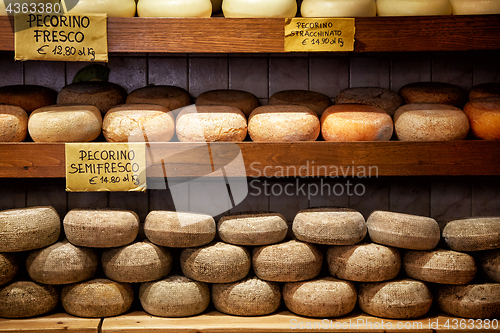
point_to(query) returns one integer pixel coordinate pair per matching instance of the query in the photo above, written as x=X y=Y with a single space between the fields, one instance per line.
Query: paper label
x=95 y=167
x=79 y=37
x=319 y=34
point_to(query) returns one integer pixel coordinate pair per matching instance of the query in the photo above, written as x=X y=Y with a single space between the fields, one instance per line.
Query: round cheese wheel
x=248 y=297
x=287 y=262
x=356 y=122
x=331 y=226
x=396 y=299
x=174 y=8
x=476 y=7
x=403 y=230
x=385 y=99
x=315 y=101
x=175 y=296
x=27 y=97
x=484 y=117
x=217 y=262
x=137 y=262
x=97 y=298
x=113 y=8
x=252 y=229
x=23 y=299
x=430 y=122
x=173 y=98
x=413 y=7
x=322 y=297
x=27 y=229
x=366 y=262
x=65 y=123
x=259 y=8
x=102 y=95
x=244 y=101
x=62 y=263
x=178 y=229
x=491 y=89
x=9 y=266
x=440 y=266
x=13 y=123
x=434 y=93
x=338 y=8
x=470 y=301
x=211 y=123
x=489 y=264
x=101 y=228
x=473 y=234
x=283 y=123
x=138 y=123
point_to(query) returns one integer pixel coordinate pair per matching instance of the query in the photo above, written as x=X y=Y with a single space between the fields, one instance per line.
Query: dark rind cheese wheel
x=244 y=101
x=23 y=299
x=315 y=101
x=470 y=301
x=173 y=98
x=385 y=99
x=489 y=264
x=9 y=265
x=490 y=89
x=473 y=234
x=434 y=92
x=27 y=97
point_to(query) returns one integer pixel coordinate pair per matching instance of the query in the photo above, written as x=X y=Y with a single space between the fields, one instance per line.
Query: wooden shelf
x=227 y=35
x=55 y=323
x=311 y=159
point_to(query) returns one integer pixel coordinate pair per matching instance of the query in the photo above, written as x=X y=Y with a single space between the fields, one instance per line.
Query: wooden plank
x=32 y=160
x=55 y=323
x=6 y=33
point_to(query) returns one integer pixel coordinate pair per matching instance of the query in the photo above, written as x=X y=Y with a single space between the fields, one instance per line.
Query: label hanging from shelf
x=319 y=34
x=96 y=167
x=52 y=36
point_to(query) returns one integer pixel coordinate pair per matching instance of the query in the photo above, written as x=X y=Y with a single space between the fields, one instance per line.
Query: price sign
x=94 y=167
x=44 y=36
x=319 y=34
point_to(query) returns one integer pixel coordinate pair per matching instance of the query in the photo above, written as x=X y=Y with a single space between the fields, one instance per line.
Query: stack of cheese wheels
x=430 y=122
x=27 y=97
x=481 y=300
x=138 y=123
x=468 y=7
x=356 y=122
x=315 y=101
x=13 y=123
x=244 y=101
x=489 y=264
x=23 y=299
x=210 y=123
x=112 y=8
x=413 y=7
x=338 y=8
x=385 y=99
x=473 y=234
x=102 y=95
x=65 y=123
x=9 y=266
x=490 y=89
x=175 y=296
x=170 y=97
x=433 y=92
x=259 y=8
x=484 y=117
x=283 y=123
x=174 y=8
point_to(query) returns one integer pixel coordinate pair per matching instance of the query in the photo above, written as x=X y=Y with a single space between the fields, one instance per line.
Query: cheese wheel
x=173 y=98
x=97 y=298
x=259 y=8
x=174 y=8
x=434 y=93
x=27 y=97
x=440 y=266
x=385 y=99
x=484 y=117
x=13 y=123
x=101 y=228
x=252 y=229
x=430 y=122
x=489 y=264
x=290 y=261
x=331 y=226
x=491 y=89
x=179 y=229
x=323 y=297
x=248 y=297
x=102 y=95
x=112 y=8
x=413 y=7
x=62 y=263
x=175 y=296
x=470 y=301
x=65 y=123
x=403 y=230
x=9 y=266
x=338 y=8
x=283 y=123
x=23 y=299
x=211 y=123
x=137 y=262
x=396 y=299
x=473 y=234
x=217 y=262
x=27 y=229
x=315 y=101
x=356 y=122
x=138 y=123
x=244 y=101
x=366 y=262
x=475 y=7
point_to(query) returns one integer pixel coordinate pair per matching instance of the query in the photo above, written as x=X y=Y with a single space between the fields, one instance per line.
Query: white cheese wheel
x=102 y=95
x=489 y=264
x=173 y=98
x=113 y=8
x=338 y=8
x=484 y=117
x=489 y=89
x=433 y=92
x=27 y=97
x=385 y=99
x=3 y=12
x=413 y=7
x=470 y=301
x=9 y=266
x=473 y=234
x=23 y=299
x=242 y=100
x=475 y=7
x=315 y=101
x=174 y=8
x=13 y=123
x=259 y=8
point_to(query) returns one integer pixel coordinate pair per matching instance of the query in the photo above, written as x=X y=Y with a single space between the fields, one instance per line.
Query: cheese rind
x=113 y=8
x=259 y=8
x=470 y=301
x=315 y=101
x=338 y=8
x=102 y=95
x=484 y=117
x=13 y=123
x=27 y=97
x=475 y=7
x=174 y=8
x=434 y=93
x=473 y=234
x=385 y=99
x=24 y=299
x=489 y=264
x=244 y=101
x=413 y=7
x=9 y=266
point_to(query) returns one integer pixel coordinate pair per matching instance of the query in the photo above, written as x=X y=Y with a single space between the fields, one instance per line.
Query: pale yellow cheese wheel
x=174 y=8
x=13 y=123
x=475 y=7
x=413 y=7
x=338 y=8
x=242 y=100
x=259 y=8
x=113 y=8
x=484 y=117
x=315 y=101
x=23 y=299
x=470 y=301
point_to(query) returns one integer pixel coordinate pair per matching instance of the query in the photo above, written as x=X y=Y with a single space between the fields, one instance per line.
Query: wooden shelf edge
x=54 y=323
